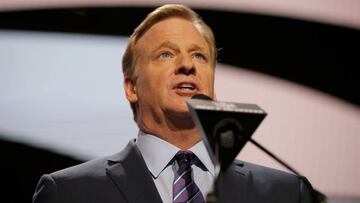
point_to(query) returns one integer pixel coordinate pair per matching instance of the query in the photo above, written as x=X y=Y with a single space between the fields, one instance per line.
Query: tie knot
x=185 y=157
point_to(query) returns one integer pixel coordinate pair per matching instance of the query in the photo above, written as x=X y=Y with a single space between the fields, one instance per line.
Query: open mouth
x=186 y=86
x=186 y=89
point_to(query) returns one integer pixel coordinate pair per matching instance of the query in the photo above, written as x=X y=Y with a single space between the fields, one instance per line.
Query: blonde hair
x=159 y=14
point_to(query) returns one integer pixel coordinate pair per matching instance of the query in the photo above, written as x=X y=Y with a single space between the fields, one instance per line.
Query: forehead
x=180 y=31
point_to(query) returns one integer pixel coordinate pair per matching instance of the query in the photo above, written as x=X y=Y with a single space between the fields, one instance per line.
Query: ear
x=130 y=90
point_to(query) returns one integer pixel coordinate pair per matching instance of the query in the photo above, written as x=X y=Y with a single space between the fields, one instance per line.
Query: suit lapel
x=129 y=173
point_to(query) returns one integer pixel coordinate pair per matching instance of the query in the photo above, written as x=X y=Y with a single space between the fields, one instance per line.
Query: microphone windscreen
x=201 y=96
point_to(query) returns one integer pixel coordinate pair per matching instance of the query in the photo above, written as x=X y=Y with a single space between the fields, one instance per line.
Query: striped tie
x=184 y=187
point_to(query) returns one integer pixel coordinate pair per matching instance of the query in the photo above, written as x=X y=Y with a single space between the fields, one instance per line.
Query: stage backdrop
x=63 y=93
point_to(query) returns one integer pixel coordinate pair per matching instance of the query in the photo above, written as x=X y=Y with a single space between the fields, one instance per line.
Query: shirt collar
x=157 y=153
x=200 y=151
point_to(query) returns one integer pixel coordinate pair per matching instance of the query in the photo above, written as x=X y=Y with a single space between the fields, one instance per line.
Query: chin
x=179 y=111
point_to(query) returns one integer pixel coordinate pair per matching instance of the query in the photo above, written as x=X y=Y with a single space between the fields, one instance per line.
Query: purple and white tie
x=184 y=187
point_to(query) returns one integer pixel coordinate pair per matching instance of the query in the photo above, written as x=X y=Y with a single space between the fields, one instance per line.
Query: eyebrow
x=171 y=45
x=195 y=47
x=167 y=44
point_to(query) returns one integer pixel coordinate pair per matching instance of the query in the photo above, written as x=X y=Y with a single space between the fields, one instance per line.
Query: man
x=170 y=57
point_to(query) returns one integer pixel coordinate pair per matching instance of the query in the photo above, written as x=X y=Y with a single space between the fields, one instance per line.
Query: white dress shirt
x=157 y=154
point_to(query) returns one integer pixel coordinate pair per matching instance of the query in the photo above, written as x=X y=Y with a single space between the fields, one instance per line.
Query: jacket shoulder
x=79 y=183
x=87 y=169
x=264 y=184
x=266 y=174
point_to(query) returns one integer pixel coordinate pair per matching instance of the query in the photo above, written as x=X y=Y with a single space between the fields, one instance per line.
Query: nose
x=185 y=66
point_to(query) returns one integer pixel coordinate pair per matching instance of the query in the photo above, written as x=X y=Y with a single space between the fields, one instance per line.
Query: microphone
x=201 y=96
x=226 y=127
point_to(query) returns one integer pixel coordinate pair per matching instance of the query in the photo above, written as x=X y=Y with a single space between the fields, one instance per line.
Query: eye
x=165 y=55
x=199 y=56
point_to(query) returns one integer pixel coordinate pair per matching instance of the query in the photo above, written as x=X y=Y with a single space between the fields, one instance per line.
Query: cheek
x=208 y=77
x=144 y=85
x=154 y=81
x=209 y=82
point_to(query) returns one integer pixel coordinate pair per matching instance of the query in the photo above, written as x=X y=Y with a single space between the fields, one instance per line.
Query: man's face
x=173 y=64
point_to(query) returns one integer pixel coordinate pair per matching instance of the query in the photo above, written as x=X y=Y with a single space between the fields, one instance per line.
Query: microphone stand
x=213 y=195
x=317 y=196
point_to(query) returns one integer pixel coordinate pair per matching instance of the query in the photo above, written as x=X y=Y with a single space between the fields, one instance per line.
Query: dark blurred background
x=318 y=55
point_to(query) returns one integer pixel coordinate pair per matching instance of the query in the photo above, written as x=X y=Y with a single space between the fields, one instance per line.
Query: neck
x=177 y=130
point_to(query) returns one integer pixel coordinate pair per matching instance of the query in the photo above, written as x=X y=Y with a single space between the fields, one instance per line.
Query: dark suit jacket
x=124 y=177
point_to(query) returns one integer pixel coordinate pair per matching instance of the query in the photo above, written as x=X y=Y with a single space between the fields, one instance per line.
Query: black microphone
x=226 y=127
x=201 y=96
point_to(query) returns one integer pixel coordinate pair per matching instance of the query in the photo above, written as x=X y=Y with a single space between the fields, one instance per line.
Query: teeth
x=186 y=86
